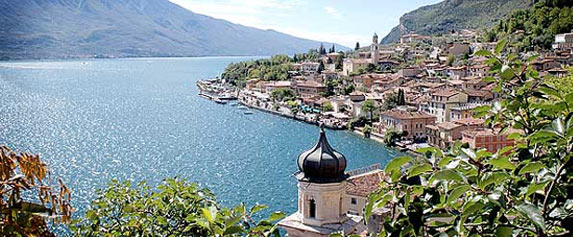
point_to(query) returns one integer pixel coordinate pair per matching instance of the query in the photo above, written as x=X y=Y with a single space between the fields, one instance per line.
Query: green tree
x=322 y=50
x=339 y=63
x=391 y=136
x=367 y=131
x=320 y=67
x=521 y=190
x=174 y=208
x=282 y=94
x=357 y=47
x=24 y=177
x=327 y=107
x=368 y=108
x=401 y=100
x=390 y=102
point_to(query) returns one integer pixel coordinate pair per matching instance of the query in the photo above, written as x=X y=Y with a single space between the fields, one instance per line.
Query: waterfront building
x=309 y=88
x=329 y=199
x=412 y=122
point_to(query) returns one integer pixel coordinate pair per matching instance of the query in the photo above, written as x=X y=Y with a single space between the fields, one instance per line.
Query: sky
x=340 y=21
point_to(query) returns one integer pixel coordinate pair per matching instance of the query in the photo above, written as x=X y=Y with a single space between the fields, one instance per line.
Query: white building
x=330 y=200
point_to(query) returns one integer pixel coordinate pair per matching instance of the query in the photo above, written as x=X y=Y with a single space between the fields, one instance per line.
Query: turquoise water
x=141 y=119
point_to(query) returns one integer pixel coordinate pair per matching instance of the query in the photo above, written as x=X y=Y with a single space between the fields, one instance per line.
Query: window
x=312 y=208
x=353 y=201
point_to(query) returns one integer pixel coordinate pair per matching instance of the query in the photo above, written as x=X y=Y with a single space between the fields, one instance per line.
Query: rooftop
x=401 y=114
x=364 y=184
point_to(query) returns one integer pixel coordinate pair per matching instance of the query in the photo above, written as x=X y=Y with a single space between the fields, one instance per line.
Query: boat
x=219 y=101
x=248 y=112
x=242 y=107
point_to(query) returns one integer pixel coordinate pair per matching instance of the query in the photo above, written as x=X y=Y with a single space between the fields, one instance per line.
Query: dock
x=214 y=98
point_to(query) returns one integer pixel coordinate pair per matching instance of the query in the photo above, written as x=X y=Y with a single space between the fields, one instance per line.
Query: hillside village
x=416 y=93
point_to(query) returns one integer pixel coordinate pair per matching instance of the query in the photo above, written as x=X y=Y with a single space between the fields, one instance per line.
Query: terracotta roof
x=478 y=93
x=311 y=84
x=448 y=125
x=445 y=92
x=470 y=122
x=401 y=114
x=364 y=184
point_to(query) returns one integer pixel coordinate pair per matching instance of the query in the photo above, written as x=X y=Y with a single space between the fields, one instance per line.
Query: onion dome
x=321 y=163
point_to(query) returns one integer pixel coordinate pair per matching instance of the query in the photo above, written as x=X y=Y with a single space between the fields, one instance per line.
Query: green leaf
x=531 y=168
x=533 y=214
x=161 y=220
x=448 y=175
x=472 y=208
x=396 y=163
x=534 y=187
x=258 y=208
x=492 y=177
x=231 y=230
x=483 y=52
x=502 y=162
x=500 y=46
x=418 y=169
x=457 y=193
x=276 y=216
x=503 y=231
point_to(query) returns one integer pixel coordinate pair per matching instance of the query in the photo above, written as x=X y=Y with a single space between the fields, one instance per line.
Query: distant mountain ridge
x=33 y=29
x=454 y=14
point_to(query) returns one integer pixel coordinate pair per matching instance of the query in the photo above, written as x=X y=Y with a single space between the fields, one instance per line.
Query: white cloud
x=244 y=12
x=333 y=12
x=252 y=13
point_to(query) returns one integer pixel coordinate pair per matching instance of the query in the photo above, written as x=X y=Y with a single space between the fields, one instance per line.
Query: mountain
x=454 y=14
x=129 y=28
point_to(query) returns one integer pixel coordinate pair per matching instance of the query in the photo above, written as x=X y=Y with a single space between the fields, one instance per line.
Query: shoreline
x=289 y=116
x=379 y=138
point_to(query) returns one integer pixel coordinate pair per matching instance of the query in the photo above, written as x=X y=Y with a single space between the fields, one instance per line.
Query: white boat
x=242 y=107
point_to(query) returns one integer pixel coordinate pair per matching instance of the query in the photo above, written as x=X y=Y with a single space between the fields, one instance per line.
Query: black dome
x=321 y=163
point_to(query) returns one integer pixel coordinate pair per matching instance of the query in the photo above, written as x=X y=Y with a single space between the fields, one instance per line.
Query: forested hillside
x=454 y=14
x=535 y=27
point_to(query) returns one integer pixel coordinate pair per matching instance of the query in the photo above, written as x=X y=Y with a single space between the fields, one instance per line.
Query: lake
x=141 y=119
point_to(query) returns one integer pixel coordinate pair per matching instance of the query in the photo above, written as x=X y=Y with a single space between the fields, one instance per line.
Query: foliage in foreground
x=174 y=208
x=522 y=190
x=22 y=176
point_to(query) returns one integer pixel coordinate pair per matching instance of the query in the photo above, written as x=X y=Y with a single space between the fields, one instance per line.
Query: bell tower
x=375 y=50
x=321 y=189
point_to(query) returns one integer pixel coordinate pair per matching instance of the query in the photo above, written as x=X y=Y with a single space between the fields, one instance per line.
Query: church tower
x=375 y=50
x=321 y=189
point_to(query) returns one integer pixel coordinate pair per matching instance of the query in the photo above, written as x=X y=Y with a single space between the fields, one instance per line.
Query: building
x=372 y=56
x=309 y=88
x=486 y=138
x=413 y=38
x=412 y=122
x=463 y=111
x=310 y=67
x=444 y=134
x=563 y=41
x=352 y=64
x=443 y=100
x=271 y=86
x=458 y=49
x=329 y=199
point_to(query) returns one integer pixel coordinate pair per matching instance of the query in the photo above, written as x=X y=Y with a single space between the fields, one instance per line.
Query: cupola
x=321 y=163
